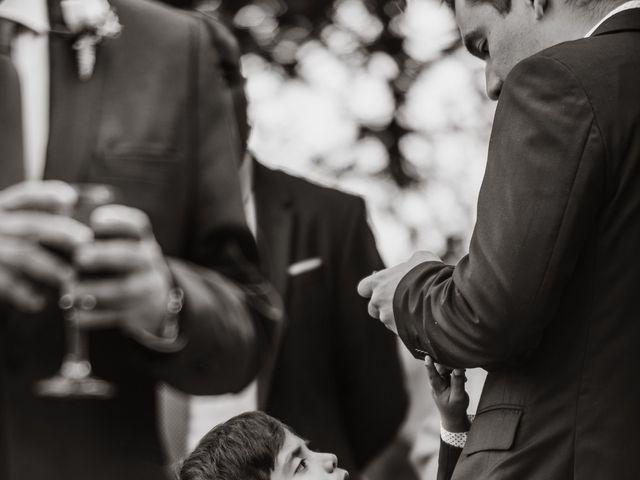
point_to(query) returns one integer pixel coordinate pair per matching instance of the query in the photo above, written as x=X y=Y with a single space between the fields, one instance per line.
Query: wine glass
x=74 y=379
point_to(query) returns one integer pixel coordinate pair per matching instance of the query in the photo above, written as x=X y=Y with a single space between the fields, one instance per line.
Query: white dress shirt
x=30 y=55
x=621 y=8
x=246 y=188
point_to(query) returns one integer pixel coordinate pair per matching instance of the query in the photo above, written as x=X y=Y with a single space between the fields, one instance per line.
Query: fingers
x=373 y=310
x=118 y=221
x=438 y=384
x=50 y=196
x=458 y=379
x=365 y=288
x=423 y=256
x=442 y=370
x=20 y=293
x=117 y=293
x=29 y=260
x=55 y=230
x=384 y=314
x=114 y=256
x=387 y=318
x=137 y=300
x=96 y=319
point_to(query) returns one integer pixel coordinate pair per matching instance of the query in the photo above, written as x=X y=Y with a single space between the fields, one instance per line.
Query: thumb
x=437 y=383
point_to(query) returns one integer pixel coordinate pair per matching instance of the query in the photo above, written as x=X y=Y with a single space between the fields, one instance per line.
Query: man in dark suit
x=546 y=299
x=336 y=378
x=150 y=115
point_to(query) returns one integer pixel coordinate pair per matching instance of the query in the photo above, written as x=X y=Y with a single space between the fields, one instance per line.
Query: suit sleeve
x=373 y=396
x=447 y=460
x=538 y=205
x=230 y=312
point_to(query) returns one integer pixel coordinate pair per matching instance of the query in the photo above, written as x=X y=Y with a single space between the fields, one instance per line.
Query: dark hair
x=502 y=6
x=243 y=448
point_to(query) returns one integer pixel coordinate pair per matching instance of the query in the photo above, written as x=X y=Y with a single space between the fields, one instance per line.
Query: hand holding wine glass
x=117 y=279
x=34 y=220
x=75 y=378
x=123 y=274
x=120 y=279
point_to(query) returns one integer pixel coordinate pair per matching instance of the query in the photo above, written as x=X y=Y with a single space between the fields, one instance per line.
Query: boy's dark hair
x=243 y=448
x=504 y=6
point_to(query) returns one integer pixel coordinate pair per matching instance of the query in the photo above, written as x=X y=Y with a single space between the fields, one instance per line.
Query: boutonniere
x=92 y=21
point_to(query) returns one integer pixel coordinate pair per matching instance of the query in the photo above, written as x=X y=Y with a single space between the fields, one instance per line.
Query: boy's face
x=296 y=462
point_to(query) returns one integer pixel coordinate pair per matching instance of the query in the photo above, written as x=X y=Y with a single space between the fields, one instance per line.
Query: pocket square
x=304 y=266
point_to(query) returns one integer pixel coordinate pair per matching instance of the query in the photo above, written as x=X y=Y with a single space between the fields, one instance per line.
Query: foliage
x=375 y=97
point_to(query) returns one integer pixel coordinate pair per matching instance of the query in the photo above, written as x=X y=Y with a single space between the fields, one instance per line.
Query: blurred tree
x=386 y=51
x=276 y=29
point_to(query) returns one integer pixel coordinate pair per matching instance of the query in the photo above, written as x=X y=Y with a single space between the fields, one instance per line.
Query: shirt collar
x=620 y=8
x=32 y=14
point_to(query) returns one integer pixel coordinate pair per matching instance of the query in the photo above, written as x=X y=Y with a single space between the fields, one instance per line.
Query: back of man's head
x=243 y=448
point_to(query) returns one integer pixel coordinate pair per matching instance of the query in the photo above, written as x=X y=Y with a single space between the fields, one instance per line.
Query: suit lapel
x=620 y=22
x=275 y=224
x=75 y=107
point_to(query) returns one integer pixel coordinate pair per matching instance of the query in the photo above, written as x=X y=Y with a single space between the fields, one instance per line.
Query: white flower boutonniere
x=92 y=21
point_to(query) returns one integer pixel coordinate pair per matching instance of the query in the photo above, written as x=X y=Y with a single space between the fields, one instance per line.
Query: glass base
x=64 y=387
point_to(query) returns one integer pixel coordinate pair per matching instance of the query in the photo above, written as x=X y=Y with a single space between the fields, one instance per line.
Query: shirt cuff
x=455 y=439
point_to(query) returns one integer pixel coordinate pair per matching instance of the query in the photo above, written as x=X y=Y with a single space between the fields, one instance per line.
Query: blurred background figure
x=126 y=94
x=336 y=378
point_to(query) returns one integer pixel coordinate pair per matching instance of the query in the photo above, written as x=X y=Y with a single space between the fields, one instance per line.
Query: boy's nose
x=330 y=462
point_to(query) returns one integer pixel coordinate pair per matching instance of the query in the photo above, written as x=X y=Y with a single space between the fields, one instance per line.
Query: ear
x=539 y=7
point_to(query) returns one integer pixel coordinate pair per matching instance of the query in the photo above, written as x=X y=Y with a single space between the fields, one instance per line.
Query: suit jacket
x=153 y=121
x=546 y=299
x=337 y=378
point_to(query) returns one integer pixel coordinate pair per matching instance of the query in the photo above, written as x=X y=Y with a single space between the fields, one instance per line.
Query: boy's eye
x=483 y=48
x=302 y=466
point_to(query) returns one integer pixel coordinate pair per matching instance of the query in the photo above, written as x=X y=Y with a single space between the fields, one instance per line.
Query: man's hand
x=123 y=278
x=33 y=225
x=447 y=389
x=380 y=287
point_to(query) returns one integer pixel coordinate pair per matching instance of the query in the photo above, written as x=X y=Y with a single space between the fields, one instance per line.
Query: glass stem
x=76 y=362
